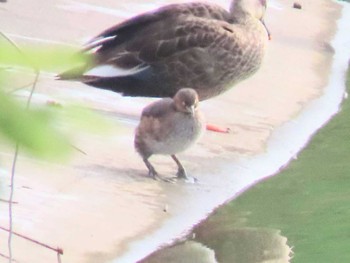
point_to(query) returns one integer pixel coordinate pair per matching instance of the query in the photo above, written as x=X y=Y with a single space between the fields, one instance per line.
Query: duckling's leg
x=151 y=171
x=181 y=172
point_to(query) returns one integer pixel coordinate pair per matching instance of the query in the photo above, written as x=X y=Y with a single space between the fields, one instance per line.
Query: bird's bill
x=191 y=109
x=267 y=30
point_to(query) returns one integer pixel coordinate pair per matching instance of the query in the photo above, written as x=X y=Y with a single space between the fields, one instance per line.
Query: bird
x=198 y=45
x=169 y=126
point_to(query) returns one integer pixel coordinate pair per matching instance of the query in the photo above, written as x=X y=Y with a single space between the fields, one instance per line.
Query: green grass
x=309 y=202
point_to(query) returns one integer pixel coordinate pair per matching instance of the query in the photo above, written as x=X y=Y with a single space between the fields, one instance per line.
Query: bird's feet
x=181 y=174
x=154 y=175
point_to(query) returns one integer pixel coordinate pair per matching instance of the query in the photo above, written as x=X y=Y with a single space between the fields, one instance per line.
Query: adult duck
x=196 y=45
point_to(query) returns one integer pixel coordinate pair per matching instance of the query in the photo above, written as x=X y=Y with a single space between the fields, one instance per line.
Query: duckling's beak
x=267 y=30
x=191 y=109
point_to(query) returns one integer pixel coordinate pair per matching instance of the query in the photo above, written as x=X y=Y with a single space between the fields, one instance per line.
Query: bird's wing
x=145 y=46
x=158 y=109
x=137 y=43
x=121 y=32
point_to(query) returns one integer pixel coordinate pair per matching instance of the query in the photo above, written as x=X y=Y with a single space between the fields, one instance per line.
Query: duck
x=197 y=45
x=169 y=126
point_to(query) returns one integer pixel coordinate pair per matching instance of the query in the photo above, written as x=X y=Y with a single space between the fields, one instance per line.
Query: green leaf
x=32 y=130
x=42 y=57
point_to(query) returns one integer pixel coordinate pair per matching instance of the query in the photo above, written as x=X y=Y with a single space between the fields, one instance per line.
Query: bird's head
x=253 y=8
x=186 y=100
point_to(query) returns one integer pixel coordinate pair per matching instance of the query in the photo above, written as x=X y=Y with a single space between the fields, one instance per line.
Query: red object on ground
x=214 y=128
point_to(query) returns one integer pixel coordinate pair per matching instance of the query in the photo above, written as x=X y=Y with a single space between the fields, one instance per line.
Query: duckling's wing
x=158 y=109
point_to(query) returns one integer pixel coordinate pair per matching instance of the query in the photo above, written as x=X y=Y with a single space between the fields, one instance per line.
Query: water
x=222 y=241
x=301 y=214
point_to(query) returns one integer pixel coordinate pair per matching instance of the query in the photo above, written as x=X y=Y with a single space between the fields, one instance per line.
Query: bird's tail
x=127 y=86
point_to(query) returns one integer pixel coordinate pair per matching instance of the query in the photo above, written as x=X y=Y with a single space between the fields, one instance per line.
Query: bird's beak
x=191 y=109
x=267 y=30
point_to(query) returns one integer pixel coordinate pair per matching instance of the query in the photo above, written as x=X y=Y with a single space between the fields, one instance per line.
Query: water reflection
x=225 y=243
x=185 y=252
x=245 y=245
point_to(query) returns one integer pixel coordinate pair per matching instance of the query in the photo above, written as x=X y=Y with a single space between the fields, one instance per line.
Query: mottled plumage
x=169 y=126
x=197 y=45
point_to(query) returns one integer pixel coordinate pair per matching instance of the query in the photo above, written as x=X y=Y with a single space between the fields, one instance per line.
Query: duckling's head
x=186 y=100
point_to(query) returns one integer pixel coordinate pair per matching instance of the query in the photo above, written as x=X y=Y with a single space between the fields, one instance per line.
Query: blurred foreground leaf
x=81 y=118
x=41 y=131
x=31 y=129
x=43 y=57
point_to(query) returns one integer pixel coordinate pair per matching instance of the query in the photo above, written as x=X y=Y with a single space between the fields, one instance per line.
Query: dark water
x=302 y=213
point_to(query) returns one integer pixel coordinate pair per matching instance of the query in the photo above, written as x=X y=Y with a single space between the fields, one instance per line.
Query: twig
x=34 y=67
x=78 y=149
x=20 y=88
x=13 y=170
x=58 y=250
x=7 y=201
x=4 y=256
x=9 y=241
